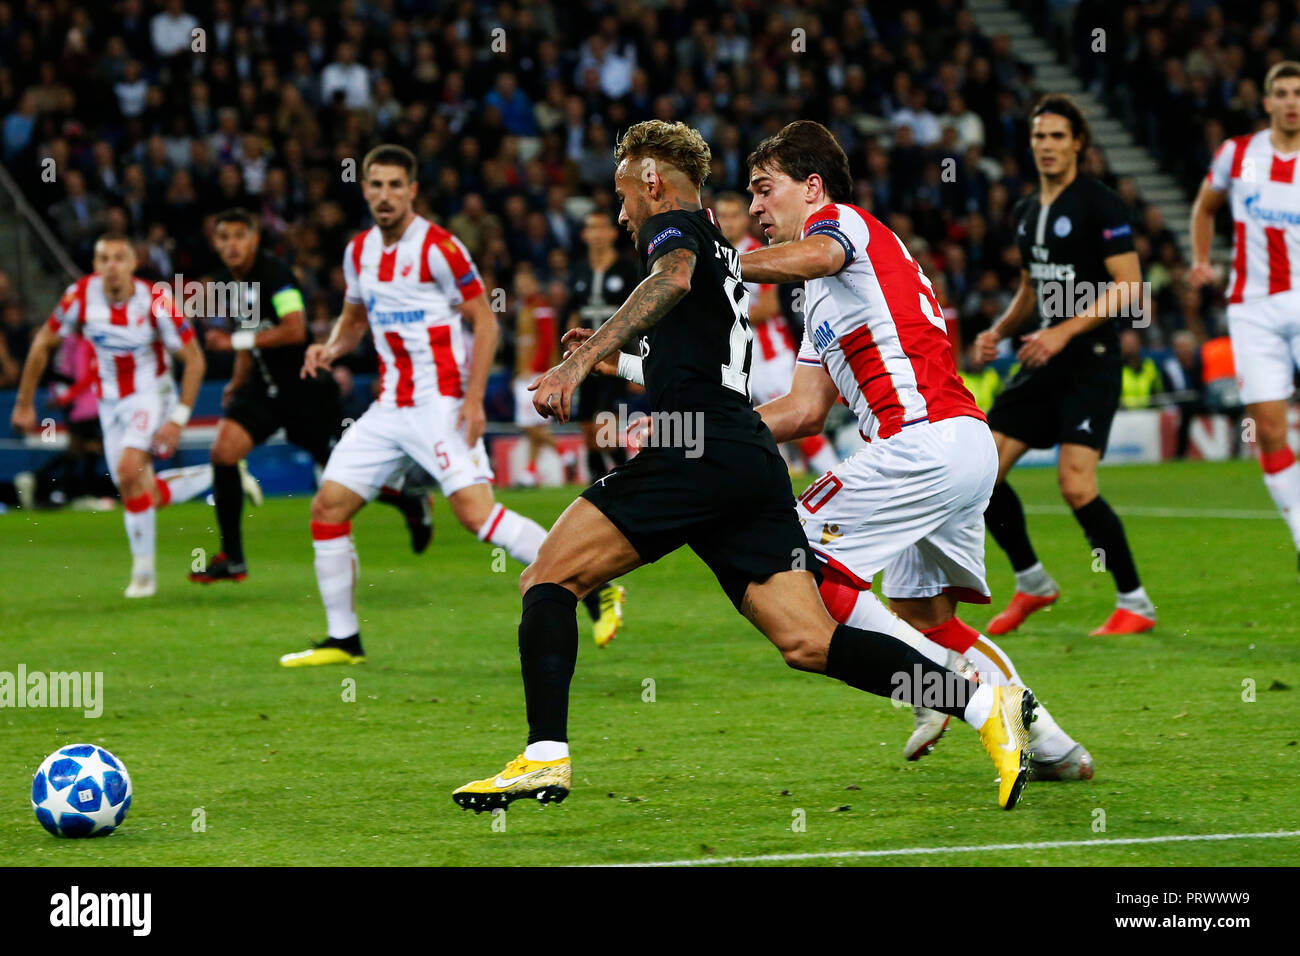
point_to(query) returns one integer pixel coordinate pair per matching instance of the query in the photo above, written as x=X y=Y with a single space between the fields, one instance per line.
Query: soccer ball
x=81 y=791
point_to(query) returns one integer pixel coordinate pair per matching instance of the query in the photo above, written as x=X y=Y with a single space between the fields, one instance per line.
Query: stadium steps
x=1125 y=156
x=38 y=266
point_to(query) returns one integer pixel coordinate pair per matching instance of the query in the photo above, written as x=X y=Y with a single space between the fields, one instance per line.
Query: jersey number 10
x=735 y=374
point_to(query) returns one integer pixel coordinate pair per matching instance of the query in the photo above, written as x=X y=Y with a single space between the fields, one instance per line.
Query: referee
x=1079 y=274
x=266 y=392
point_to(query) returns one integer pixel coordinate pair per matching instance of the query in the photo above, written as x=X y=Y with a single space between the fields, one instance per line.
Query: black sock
x=548 y=650
x=595 y=464
x=1106 y=533
x=592 y=602
x=888 y=667
x=350 y=644
x=229 y=495
x=1006 y=522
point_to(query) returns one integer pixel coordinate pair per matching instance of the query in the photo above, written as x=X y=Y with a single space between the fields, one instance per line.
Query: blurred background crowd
x=513 y=108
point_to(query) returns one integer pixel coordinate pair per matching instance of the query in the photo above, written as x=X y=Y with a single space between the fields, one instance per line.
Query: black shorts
x=732 y=505
x=1072 y=399
x=599 y=393
x=88 y=429
x=309 y=411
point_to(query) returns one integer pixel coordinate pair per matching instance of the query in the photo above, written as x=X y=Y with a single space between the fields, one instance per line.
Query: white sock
x=979 y=706
x=1136 y=601
x=870 y=615
x=992 y=663
x=546 y=750
x=140 y=533
x=1046 y=739
x=1036 y=581
x=520 y=536
x=1284 y=486
x=185 y=483
x=337 y=569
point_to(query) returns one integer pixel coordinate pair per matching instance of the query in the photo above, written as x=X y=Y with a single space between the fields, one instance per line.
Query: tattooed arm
x=666 y=285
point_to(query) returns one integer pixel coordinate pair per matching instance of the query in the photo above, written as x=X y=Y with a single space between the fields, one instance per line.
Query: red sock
x=164 y=492
x=1274 y=461
x=953 y=634
x=324 y=530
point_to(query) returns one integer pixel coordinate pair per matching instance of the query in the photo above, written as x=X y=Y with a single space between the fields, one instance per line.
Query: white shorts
x=769 y=379
x=131 y=423
x=1266 y=346
x=384 y=441
x=525 y=414
x=912 y=506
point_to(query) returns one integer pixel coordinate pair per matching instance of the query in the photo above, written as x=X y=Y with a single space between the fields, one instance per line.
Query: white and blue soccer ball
x=81 y=791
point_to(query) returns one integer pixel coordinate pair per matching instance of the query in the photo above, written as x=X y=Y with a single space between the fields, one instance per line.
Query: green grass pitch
x=734 y=756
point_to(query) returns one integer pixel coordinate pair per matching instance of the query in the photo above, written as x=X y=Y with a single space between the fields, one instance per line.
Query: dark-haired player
x=712 y=479
x=265 y=392
x=1079 y=274
x=1256 y=175
x=413 y=284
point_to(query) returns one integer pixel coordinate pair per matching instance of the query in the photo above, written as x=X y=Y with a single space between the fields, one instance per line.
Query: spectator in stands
x=1141 y=377
x=79 y=217
x=171 y=29
x=1184 y=381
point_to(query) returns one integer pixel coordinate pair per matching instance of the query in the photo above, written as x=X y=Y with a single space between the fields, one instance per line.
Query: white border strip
x=935 y=850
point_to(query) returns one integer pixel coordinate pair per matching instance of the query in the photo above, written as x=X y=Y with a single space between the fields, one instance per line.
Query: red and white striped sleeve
x=451 y=267
x=352 y=269
x=69 y=314
x=1220 y=173
x=168 y=319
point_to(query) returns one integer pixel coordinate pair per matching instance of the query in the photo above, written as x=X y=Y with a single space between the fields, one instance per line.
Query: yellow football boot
x=610 y=621
x=1005 y=735
x=546 y=781
x=320 y=655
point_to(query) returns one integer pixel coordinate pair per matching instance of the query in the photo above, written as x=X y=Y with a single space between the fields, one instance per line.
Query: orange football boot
x=1022 y=605
x=1124 y=622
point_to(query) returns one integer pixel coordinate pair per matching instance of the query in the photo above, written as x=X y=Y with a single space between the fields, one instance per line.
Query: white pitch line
x=935 y=850
x=1144 y=511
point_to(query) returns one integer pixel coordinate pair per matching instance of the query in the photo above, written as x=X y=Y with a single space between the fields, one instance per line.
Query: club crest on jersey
x=668 y=233
x=406 y=270
x=823 y=337
x=1062 y=226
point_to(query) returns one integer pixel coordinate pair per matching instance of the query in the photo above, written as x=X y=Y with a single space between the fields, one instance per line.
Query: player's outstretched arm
x=1208 y=202
x=802 y=411
x=810 y=258
x=168 y=436
x=486 y=332
x=43 y=346
x=344 y=337
x=667 y=284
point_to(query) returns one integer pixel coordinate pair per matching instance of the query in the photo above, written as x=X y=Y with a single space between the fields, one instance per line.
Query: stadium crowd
x=158 y=115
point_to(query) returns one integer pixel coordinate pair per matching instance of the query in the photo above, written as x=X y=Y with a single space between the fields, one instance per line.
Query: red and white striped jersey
x=1265 y=198
x=877 y=328
x=131 y=339
x=410 y=291
x=772 y=337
